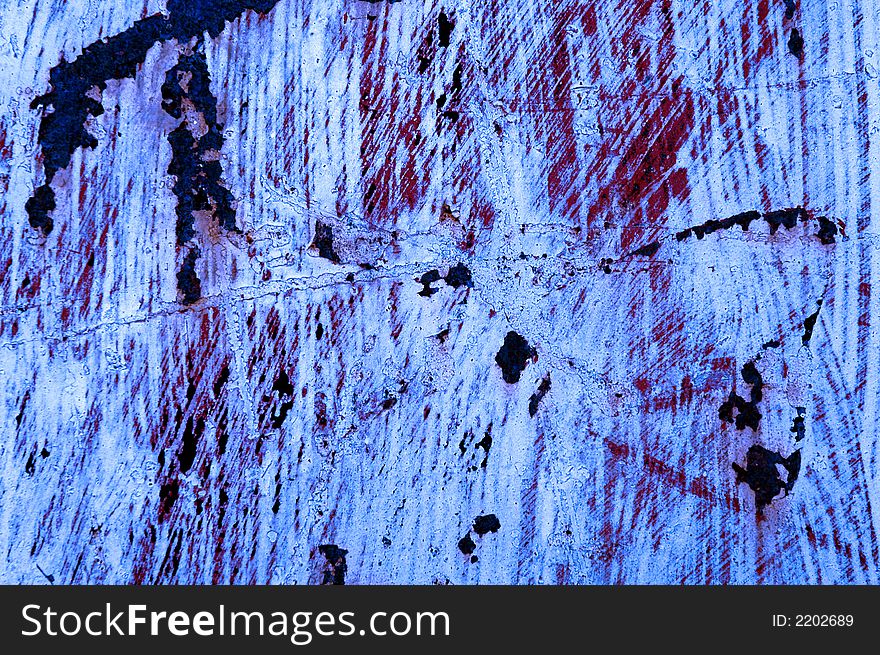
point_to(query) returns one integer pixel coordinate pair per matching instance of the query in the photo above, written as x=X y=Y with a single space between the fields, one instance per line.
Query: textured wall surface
x=416 y=292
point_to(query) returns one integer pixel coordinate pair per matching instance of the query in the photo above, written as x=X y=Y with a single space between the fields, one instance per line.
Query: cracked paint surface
x=284 y=284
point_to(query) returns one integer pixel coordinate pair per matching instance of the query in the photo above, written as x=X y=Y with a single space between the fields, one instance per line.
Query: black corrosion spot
x=538 y=396
x=648 y=250
x=168 y=494
x=195 y=162
x=796 y=43
x=743 y=220
x=486 y=444
x=424 y=55
x=762 y=475
x=513 y=356
x=323 y=241
x=191 y=435
x=773 y=343
x=75 y=84
x=466 y=545
x=798 y=426
x=482 y=526
x=38 y=207
x=827 y=233
x=63 y=129
x=285 y=392
x=336 y=568
x=789 y=9
x=20 y=416
x=192 y=17
x=462 y=445
x=456 y=80
x=389 y=400
x=222 y=379
x=486 y=524
x=444 y=30
x=747 y=414
x=810 y=324
x=426 y=280
x=451 y=114
x=188 y=282
x=786 y=218
x=458 y=275
x=276 y=504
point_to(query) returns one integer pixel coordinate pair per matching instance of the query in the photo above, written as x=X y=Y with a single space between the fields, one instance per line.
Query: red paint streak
x=563 y=177
x=674 y=477
x=683 y=396
x=394 y=166
x=654 y=154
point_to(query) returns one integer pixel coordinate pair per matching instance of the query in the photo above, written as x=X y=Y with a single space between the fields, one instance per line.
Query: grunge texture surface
x=425 y=292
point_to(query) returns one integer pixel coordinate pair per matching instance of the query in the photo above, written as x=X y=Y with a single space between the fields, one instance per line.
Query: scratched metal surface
x=309 y=395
